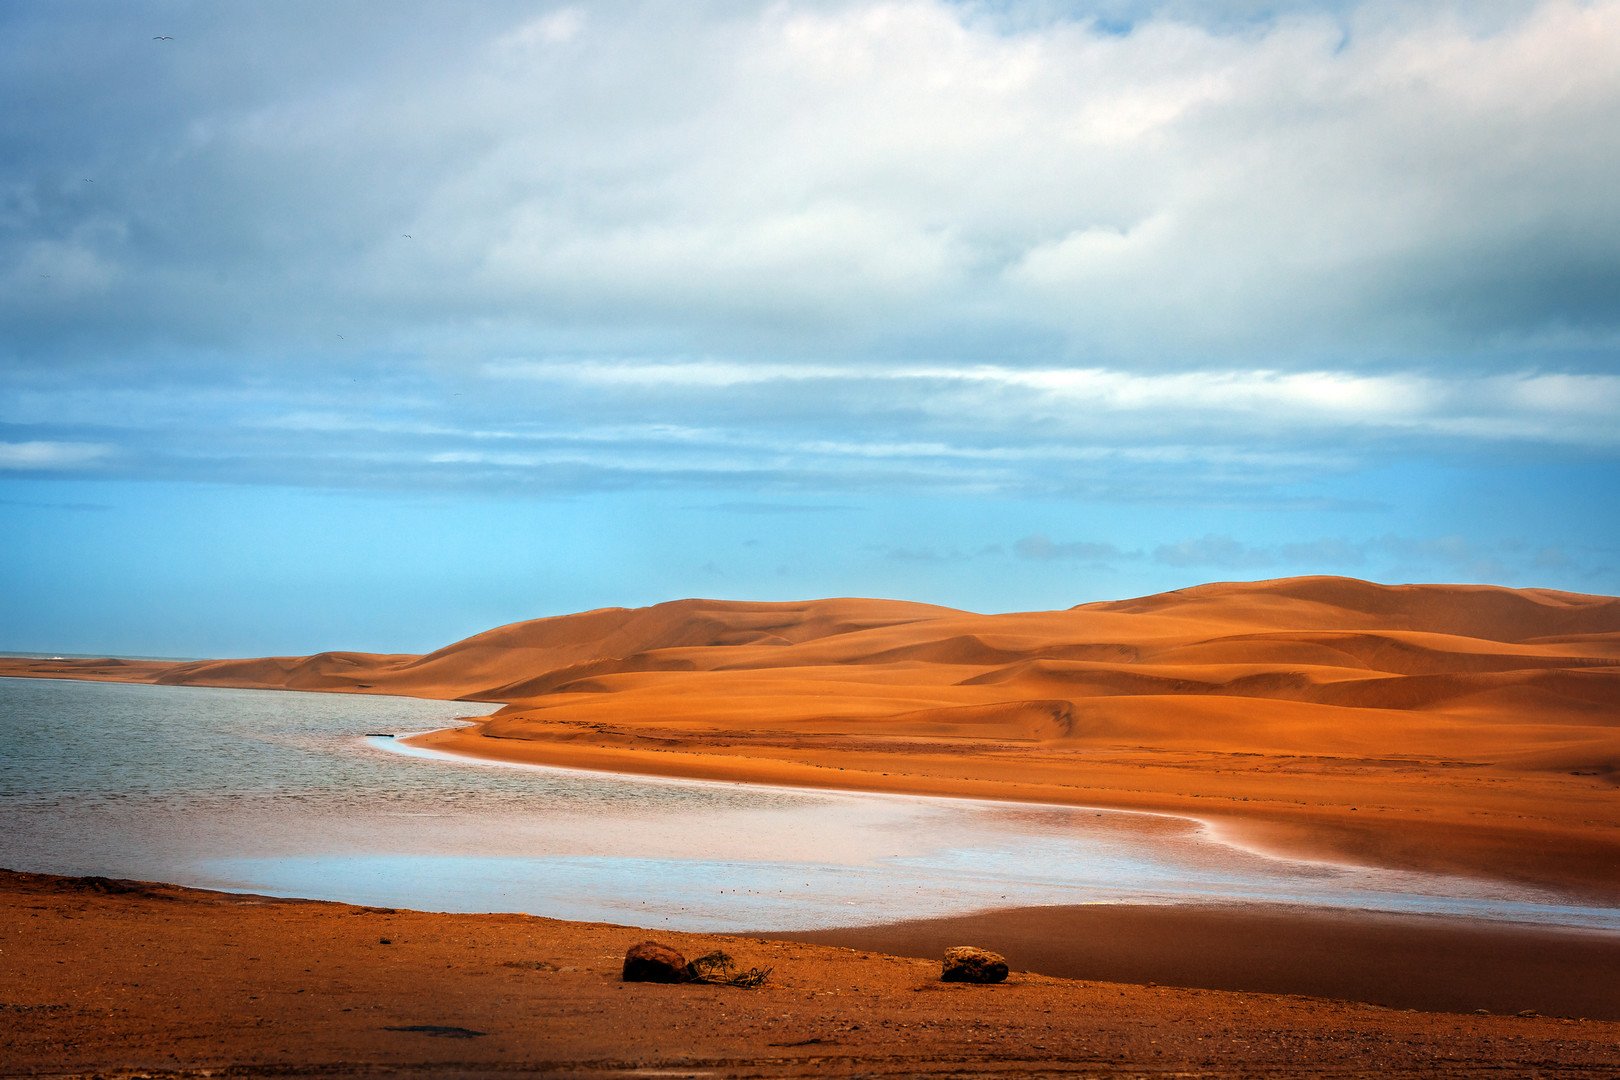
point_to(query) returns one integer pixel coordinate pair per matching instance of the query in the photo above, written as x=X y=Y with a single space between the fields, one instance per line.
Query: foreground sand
x=1462 y=729
x=121 y=979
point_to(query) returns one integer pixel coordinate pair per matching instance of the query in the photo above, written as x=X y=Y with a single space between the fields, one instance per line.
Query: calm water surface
x=288 y=794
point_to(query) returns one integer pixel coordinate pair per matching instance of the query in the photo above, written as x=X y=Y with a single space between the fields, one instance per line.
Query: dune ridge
x=1477 y=727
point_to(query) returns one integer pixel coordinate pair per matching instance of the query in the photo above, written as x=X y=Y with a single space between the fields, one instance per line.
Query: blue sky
x=346 y=325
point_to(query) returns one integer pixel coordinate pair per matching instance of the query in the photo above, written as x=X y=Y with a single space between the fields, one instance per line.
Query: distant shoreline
x=94 y=656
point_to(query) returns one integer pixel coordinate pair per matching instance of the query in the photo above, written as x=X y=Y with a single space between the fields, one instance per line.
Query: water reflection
x=284 y=793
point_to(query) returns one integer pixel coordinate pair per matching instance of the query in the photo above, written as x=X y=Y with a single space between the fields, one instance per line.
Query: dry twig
x=716 y=968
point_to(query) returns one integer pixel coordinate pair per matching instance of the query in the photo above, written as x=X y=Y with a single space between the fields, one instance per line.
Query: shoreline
x=1493 y=833
x=431 y=745
x=1504 y=836
x=414 y=747
x=183 y=982
x=1543 y=831
x=1582 y=865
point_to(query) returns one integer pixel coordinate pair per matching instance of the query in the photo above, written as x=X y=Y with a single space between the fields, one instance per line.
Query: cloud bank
x=1084 y=294
x=1371 y=186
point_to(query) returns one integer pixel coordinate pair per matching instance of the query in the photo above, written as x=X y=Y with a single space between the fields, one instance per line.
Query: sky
x=346 y=325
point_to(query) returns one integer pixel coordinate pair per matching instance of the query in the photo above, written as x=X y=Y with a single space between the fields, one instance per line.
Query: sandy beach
x=127 y=979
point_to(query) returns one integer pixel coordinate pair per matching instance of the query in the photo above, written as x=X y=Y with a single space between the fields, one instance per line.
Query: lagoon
x=292 y=794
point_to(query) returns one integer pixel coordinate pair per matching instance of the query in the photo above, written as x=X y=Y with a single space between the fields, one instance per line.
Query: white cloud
x=1170 y=253
x=52 y=456
x=714 y=374
x=909 y=178
x=54 y=270
x=553 y=28
x=1554 y=408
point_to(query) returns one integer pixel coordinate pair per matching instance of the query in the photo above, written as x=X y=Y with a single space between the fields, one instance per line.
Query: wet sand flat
x=119 y=978
x=1424 y=962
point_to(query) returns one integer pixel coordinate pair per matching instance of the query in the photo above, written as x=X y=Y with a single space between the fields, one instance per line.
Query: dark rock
x=652 y=962
x=964 y=963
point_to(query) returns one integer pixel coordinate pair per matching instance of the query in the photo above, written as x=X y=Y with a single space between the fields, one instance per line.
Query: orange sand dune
x=1464 y=728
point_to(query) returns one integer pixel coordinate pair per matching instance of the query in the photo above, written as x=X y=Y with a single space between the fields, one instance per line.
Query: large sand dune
x=1464 y=728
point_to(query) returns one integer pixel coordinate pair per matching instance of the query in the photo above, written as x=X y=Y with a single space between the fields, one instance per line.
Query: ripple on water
x=283 y=793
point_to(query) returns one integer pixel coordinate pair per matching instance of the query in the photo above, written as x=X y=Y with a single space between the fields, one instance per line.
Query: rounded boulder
x=653 y=962
x=969 y=964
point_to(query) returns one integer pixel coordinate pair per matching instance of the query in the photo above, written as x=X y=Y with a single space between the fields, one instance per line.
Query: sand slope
x=1479 y=725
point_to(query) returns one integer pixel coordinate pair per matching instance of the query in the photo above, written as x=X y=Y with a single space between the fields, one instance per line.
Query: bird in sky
x=163 y=37
x=406 y=235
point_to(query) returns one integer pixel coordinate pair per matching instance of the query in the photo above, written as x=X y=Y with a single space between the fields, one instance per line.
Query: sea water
x=299 y=794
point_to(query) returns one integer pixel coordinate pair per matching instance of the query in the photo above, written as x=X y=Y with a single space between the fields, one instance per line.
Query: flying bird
x=163 y=37
x=406 y=235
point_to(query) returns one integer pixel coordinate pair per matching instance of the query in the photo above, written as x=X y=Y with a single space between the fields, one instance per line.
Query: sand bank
x=1476 y=826
x=1401 y=961
x=102 y=977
